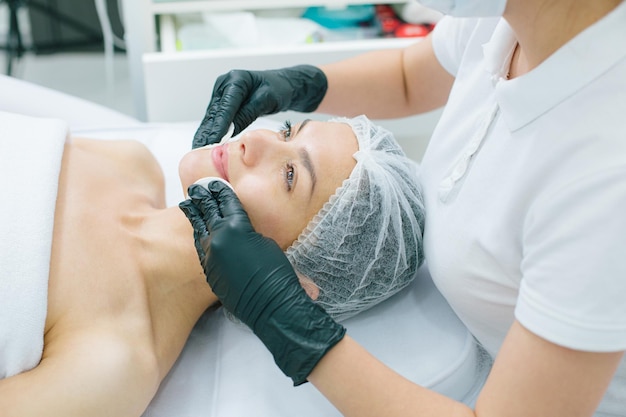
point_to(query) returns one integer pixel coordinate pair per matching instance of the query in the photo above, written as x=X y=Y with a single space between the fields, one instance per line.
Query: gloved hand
x=253 y=279
x=241 y=96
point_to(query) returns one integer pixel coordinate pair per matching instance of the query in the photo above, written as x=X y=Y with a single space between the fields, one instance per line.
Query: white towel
x=31 y=150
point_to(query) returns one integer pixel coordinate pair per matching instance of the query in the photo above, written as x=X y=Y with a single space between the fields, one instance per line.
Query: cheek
x=271 y=214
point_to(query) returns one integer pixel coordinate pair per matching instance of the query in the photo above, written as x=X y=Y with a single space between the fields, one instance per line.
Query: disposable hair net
x=365 y=244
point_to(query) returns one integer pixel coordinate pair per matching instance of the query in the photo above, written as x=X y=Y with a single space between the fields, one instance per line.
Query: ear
x=309 y=287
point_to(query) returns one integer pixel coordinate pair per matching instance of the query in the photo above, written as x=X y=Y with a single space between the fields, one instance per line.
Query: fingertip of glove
x=214 y=185
x=184 y=206
x=196 y=191
x=217 y=187
x=200 y=138
x=188 y=208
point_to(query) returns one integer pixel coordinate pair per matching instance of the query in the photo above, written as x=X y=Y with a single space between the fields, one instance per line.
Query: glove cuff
x=309 y=85
x=299 y=338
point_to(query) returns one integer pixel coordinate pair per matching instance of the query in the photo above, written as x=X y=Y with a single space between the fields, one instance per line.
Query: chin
x=195 y=165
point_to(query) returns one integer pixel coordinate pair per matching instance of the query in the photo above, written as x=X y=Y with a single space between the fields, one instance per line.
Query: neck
x=543 y=26
x=175 y=285
x=169 y=260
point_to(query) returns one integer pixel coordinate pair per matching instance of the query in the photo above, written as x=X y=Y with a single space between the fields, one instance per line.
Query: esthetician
x=524 y=182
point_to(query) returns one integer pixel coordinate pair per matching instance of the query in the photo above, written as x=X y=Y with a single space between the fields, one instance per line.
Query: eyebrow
x=306 y=159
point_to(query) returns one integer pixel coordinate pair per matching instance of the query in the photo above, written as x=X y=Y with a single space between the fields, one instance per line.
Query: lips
x=220 y=160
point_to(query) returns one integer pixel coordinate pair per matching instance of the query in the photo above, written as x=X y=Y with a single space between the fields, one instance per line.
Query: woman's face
x=281 y=178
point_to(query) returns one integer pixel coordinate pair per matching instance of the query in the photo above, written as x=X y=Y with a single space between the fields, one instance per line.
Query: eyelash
x=289 y=170
x=285 y=130
x=289 y=173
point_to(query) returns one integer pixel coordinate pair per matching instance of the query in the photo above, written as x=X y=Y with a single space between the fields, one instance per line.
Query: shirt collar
x=576 y=64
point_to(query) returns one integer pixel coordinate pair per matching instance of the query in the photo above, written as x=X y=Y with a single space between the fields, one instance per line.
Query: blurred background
x=157 y=60
x=60 y=44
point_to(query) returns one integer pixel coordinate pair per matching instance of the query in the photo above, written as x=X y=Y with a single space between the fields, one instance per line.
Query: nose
x=258 y=145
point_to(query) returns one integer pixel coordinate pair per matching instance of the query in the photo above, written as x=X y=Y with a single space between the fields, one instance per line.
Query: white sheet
x=31 y=150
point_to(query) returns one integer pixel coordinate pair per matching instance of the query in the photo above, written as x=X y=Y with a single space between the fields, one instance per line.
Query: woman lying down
x=125 y=286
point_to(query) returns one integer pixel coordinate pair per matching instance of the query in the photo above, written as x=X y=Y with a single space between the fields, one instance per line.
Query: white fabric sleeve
x=450 y=38
x=573 y=290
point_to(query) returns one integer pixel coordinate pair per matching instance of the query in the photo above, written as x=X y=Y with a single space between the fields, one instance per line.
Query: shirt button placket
x=460 y=168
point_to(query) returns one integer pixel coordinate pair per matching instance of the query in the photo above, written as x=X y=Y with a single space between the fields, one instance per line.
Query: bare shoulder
x=96 y=365
x=132 y=159
x=121 y=149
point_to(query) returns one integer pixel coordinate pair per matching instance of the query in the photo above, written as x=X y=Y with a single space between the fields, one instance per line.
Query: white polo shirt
x=525 y=189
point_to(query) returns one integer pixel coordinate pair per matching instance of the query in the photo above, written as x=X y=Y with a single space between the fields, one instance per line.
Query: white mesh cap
x=365 y=244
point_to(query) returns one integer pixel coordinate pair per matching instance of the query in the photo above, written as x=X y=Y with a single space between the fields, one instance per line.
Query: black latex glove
x=253 y=279
x=241 y=96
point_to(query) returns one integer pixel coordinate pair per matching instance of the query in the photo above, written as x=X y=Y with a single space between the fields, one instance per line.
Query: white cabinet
x=170 y=85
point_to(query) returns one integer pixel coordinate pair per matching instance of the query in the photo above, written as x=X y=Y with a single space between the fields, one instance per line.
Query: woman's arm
x=381 y=84
x=530 y=377
x=89 y=374
x=387 y=83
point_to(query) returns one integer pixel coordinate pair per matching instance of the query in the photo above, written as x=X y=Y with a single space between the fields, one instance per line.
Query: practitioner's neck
x=543 y=26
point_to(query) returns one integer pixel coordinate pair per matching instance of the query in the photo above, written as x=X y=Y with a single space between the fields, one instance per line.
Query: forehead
x=328 y=142
x=331 y=146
